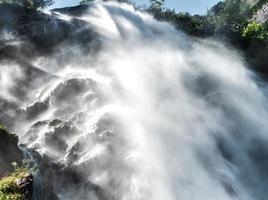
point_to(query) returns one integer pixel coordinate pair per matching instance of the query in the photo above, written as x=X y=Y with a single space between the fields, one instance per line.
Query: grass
x=8 y=187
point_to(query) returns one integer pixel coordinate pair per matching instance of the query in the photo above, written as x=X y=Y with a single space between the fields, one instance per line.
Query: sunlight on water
x=151 y=115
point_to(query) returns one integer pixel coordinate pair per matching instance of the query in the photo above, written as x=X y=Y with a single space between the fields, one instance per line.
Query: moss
x=7 y=135
x=2 y=127
x=9 y=190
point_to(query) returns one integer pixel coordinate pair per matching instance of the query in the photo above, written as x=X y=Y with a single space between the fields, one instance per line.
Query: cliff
x=9 y=151
x=15 y=182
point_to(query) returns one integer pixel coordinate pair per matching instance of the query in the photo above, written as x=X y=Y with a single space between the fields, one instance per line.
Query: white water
x=154 y=115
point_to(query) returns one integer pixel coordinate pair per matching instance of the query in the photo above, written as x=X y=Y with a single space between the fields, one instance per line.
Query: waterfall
x=141 y=112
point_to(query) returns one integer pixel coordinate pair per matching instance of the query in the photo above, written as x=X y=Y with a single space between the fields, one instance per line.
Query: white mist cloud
x=154 y=115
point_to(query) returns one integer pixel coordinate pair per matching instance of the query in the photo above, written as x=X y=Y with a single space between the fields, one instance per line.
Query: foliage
x=30 y=4
x=229 y=18
x=157 y=4
x=30 y=166
x=230 y=21
x=235 y=11
x=8 y=187
x=194 y=25
x=2 y=127
x=216 y=9
x=4 y=131
x=255 y=31
x=226 y=17
x=123 y=1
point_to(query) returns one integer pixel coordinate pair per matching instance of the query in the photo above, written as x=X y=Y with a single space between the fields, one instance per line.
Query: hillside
x=241 y=24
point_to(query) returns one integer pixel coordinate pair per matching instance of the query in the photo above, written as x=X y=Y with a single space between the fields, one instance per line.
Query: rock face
x=25 y=185
x=17 y=185
x=40 y=31
x=261 y=15
x=24 y=36
x=9 y=151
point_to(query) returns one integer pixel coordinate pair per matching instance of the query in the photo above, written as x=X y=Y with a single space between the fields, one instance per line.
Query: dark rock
x=9 y=151
x=25 y=185
x=41 y=30
x=75 y=10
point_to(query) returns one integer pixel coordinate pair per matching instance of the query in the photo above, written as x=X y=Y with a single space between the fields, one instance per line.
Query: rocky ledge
x=9 y=151
x=16 y=183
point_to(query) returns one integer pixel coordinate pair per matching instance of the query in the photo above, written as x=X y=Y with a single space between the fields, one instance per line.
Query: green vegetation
x=157 y=4
x=226 y=18
x=230 y=21
x=3 y=130
x=256 y=32
x=29 y=4
x=125 y=1
x=2 y=127
x=11 y=184
x=9 y=190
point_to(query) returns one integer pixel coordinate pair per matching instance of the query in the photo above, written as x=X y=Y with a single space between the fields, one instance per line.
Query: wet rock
x=18 y=184
x=9 y=151
x=43 y=30
x=25 y=184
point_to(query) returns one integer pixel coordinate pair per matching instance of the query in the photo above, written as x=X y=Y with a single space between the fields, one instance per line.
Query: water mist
x=148 y=114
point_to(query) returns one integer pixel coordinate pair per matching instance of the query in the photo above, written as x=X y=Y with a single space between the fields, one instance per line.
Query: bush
x=8 y=187
x=255 y=31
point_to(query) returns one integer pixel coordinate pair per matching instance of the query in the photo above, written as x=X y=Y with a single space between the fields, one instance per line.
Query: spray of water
x=150 y=115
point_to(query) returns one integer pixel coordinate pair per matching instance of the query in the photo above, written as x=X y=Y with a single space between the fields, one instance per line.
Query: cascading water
x=148 y=114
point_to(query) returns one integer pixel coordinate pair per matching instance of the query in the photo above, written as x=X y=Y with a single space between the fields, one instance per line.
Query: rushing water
x=150 y=114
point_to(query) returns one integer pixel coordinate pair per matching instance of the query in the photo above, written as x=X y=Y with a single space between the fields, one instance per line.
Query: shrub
x=255 y=31
x=8 y=187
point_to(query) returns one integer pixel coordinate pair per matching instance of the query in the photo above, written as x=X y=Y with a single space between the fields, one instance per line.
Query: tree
x=157 y=3
x=30 y=4
x=216 y=9
x=35 y=4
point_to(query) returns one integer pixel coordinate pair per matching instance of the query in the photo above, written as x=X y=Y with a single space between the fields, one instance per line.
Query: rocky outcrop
x=261 y=15
x=9 y=151
x=40 y=31
x=25 y=185
x=15 y=182
x=17 y=186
